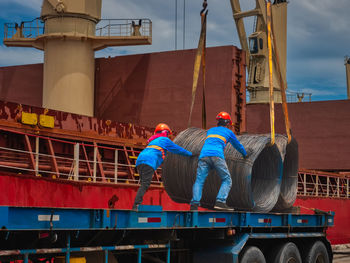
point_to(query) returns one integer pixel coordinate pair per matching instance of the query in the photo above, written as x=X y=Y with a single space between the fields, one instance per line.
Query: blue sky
x=318 y=36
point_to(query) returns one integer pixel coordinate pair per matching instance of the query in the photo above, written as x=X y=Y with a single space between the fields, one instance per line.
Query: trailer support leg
x=68 y=249
x=225 y=253
x=168 y=254
x=106 y=256
x=237 y=248
x=139 y=255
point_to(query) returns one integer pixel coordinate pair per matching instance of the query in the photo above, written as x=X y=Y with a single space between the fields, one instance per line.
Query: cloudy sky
x=318 y=35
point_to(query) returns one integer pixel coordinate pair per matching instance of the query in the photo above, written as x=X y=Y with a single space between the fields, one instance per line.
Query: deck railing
x=67 y=160
x=323 y=184
x=26 y=29
x=298 y=96
x=124 y=27
x=90 y=162
x=104 y=28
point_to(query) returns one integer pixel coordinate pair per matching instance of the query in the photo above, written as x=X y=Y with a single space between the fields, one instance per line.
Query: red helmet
x=224 y=116
x=162 y=127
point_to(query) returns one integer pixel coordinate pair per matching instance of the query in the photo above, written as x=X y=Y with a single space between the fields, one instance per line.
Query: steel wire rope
x=289 y=186
x=256 y=181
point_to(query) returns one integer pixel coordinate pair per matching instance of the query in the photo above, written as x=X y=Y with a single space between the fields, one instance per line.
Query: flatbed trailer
x=153 y=235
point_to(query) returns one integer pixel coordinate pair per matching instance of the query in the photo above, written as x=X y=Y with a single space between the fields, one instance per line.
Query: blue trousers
x=205 y=164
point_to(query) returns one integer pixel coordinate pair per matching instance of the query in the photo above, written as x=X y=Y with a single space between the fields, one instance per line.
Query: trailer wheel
x=317 y=253
x=285 y=253
x=252 y=255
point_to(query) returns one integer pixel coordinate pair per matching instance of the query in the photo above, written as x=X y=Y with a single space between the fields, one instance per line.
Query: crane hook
x=205 y=4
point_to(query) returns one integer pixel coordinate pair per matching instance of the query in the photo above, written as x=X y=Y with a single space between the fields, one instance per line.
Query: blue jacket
x=216 y=140
x=155 y=152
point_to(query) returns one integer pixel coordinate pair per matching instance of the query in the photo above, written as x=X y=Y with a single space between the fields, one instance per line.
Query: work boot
x=222 y=206
x=194 y=207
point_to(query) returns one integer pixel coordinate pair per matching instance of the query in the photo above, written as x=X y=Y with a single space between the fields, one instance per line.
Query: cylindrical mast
x=68 y=54
x=69 y=84
x=69 y=41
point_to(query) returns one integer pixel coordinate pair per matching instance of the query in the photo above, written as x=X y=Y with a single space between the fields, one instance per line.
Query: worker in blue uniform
x=212 y=157
x=153 y=156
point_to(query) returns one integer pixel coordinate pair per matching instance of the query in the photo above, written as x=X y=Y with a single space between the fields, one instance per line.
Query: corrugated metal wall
x=150 y=88
x=322 y=129
x=22 y=84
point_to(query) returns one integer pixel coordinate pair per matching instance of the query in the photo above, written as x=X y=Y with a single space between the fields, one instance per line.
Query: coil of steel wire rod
x=290 y=156
x=255 y=180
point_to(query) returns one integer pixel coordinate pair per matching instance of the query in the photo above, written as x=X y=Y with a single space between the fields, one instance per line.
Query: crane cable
x=200 y=59
x=272 y=103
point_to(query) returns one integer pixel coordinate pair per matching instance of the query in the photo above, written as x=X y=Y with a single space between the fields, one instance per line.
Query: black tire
x=252 y=255
x=285 y=253
x=317 y=253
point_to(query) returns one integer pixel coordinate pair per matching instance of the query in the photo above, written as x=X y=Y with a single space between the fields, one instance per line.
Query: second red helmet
x=224 y=116
x=162 y=127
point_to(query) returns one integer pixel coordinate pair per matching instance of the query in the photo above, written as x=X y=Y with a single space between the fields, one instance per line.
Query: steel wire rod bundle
x=289 y=186
x=179 y=172
x=256 y=181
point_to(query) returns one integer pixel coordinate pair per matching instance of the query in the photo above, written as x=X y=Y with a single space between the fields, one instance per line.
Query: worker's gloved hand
x=249 y=153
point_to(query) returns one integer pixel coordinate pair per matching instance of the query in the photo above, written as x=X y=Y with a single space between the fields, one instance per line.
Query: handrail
x=118 y=164
x=124 y=27
x=298 y=96
x=26 y=29
x=75 y=162
x=105 y=28
x=323 y=184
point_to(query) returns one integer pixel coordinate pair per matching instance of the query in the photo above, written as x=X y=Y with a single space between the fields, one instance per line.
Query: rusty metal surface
x=22 y=84
x=144 y=90
x=73 y=126
x=150 y=88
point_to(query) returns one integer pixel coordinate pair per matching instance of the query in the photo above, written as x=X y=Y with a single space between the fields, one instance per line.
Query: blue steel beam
x=19 y=218
x=222 y=253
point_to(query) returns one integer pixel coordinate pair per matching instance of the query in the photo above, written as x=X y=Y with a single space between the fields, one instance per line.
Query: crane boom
x=257 y=50
x=236 y=10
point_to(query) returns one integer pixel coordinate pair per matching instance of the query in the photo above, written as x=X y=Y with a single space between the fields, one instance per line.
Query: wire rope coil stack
x=256 y=181
x=289 y=186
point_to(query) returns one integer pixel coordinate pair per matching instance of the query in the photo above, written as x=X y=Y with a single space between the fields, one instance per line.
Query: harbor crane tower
x=69 y=32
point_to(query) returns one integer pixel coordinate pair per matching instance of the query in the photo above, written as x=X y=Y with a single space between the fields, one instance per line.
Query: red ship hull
x=340 y=233
x=29 y=191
